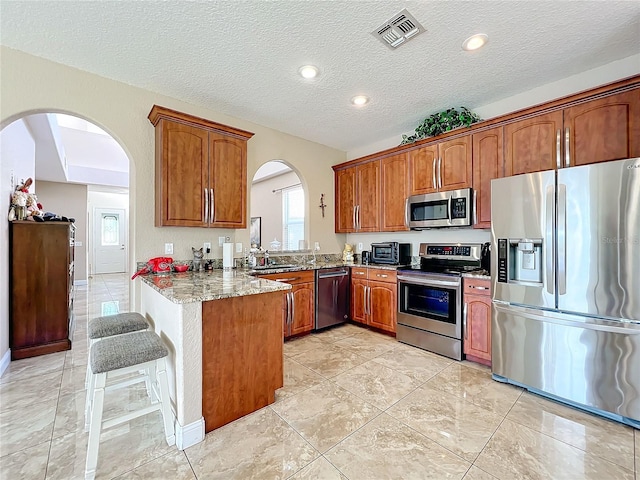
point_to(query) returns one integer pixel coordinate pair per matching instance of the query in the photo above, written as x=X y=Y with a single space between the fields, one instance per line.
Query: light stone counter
x=189 y=287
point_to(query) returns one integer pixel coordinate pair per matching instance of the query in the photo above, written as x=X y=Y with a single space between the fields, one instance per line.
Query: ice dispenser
x=520 y=260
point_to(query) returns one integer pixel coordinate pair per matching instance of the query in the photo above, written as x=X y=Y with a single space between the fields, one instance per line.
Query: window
x=110 y=230
x=293 y=217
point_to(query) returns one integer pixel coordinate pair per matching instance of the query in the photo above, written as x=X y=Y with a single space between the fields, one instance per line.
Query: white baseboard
x=6 y=360
x=80 y=282
x=189 y=434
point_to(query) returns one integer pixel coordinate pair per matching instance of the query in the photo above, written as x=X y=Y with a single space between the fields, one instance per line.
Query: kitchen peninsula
x=224 y=335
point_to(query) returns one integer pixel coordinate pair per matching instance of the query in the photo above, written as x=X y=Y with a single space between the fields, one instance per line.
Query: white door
x=109 y=240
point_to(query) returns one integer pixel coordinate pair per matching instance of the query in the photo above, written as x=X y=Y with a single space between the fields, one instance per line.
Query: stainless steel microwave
x=453 y=208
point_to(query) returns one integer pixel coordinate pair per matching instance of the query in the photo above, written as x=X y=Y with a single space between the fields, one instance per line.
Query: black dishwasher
x=332 y=296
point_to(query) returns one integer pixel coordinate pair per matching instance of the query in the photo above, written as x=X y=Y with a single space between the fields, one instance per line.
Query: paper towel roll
x=227 y=256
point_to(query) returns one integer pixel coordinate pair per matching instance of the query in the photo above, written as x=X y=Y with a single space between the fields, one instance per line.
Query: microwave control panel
x=458 y=208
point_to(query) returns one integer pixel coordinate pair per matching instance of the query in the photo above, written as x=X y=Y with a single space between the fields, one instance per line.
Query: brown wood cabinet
x=358 y=198
x=201 y=171
x=299 y=302
x=599 y=130
x=488 y=164
x=602 y=130
x=374 y=297
x=446 y=165
x=41 y=271
x=395 y=190
x=477 y=320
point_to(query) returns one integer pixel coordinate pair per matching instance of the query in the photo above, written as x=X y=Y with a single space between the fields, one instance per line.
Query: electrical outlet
x=220 y=241
x=239 y=247
x=359 y=246
x=168 y=248
x=206 y=247
x=316 y=246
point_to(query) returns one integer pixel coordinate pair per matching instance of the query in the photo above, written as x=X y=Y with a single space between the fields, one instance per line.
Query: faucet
x=313 y=262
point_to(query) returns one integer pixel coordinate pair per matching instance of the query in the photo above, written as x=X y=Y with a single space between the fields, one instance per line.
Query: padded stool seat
x=117 y=324
x=117 y=352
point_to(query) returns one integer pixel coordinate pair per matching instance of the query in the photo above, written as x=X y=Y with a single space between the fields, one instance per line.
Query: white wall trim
x=6 y=360
x=80 y=282
x=190 y=434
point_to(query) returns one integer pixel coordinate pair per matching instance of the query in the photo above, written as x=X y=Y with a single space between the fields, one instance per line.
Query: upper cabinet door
x=345 y=200
x=228 y=181
x=603 y=130
x=454 y=165
x=488 y=164
x=531 y=145
x=423 y=169
x=368 y=198
x=395 y=190
x=182 y=171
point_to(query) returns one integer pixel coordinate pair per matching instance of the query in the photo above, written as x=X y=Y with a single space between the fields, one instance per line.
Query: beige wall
x=30 y=84
x=70 y=200
x=17 y=163
x=268 y=205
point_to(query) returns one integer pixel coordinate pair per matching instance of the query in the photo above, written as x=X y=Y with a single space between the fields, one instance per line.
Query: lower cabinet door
x=358 y=299
x=303 y=308
x=477 y=338
x=383 y=306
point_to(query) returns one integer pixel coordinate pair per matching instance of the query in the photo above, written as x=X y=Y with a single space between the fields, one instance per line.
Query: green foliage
x=442 y=122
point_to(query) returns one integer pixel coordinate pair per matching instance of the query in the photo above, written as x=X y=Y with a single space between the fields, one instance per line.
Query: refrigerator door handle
x=548 y=240
x=562 y=239
x=558 y=161
x=567 y=156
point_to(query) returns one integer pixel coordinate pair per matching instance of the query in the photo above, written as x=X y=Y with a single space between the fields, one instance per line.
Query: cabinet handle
x=289 y=308
x=558 y=161
x=369 y=300
x=464 y=320
x=359 y=273
x=354 y=217
x=206 y=206
x=567 y=156
x=293 y=308
x=478 y=288
x=381 y=275
x=287 y=279
x=433 y=171
x=358 y=226
x=212 y=206
x=439 y=173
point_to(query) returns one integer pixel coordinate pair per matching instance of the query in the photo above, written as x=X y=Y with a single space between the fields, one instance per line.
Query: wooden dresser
x=41 y=287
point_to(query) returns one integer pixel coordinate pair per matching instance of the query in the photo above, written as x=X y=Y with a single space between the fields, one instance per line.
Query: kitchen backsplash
x=416 y=237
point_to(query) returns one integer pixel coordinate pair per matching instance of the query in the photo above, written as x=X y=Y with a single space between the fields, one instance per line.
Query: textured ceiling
x=241 y=57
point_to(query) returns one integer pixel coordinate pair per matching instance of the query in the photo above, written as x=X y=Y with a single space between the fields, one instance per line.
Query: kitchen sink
x=283 y=266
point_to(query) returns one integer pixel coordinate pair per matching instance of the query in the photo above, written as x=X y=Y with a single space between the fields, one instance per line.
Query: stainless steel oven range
x=430 y=297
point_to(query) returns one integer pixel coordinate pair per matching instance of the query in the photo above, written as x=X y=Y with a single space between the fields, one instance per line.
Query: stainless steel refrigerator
x=566 y=285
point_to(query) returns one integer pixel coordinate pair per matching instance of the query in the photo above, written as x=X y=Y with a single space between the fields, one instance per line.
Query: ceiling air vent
x=398 y=30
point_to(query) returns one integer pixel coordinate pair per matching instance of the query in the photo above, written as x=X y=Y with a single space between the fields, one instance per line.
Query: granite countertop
x=483 y=274
x=316 y=266
x=190 y=287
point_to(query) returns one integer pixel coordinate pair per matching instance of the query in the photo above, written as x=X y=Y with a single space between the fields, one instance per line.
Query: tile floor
x=355 y=405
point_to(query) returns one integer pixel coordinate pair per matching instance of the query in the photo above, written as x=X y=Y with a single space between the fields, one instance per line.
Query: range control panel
x=449 y=250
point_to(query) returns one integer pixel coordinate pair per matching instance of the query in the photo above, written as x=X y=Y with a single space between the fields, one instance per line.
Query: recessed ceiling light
x=475 y=42
x=308 y=71
x=360 y=100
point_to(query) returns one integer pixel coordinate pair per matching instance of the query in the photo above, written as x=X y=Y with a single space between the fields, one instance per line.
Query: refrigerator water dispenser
x=520 y=260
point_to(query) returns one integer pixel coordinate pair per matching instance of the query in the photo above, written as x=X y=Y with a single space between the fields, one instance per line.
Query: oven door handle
x=421 y=281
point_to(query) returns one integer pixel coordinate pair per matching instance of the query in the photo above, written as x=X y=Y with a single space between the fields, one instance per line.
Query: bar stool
x=116 y=356
x=108 y=326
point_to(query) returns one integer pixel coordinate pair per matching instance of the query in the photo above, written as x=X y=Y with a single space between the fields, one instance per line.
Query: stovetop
x=450 y=271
